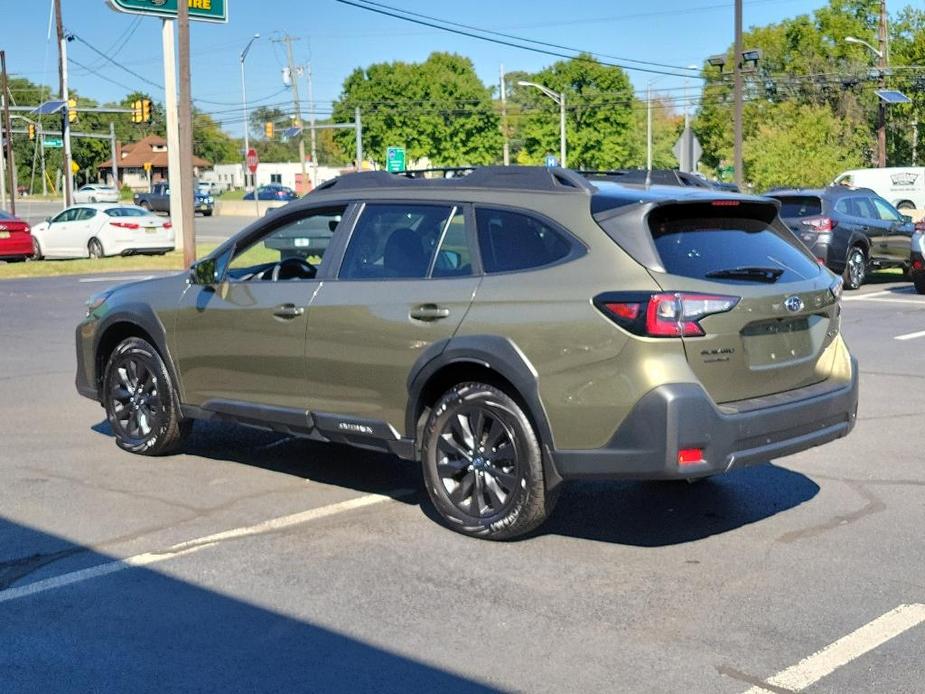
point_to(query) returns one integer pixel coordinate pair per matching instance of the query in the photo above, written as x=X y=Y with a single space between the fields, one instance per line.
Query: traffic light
x=268 y=129
x=31 y=129
x=141 y=111
x=71 y=110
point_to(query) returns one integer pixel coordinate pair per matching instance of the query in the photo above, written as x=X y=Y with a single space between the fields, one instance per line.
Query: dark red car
x=15 y=238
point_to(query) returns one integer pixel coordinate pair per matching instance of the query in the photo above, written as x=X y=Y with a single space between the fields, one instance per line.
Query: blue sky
x=337 y=38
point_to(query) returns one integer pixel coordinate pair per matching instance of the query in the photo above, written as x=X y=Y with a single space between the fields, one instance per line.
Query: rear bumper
x=677 y=416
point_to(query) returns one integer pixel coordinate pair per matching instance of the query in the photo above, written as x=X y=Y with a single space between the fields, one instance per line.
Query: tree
x=801 y=145
x=438 y=109
x=212 y=143
x=600 y=125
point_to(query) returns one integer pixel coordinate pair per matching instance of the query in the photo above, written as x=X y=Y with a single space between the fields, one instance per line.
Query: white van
x=904 y=186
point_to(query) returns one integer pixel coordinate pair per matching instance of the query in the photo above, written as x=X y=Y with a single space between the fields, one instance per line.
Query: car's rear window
x=127 y=212
x=792 y=206
x=695 y=241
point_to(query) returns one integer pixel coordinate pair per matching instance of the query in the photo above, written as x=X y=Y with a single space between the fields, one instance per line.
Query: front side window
x=885 y=210
x=395 y=241
x=293 y=251
x=512 y=241
x=66 y=216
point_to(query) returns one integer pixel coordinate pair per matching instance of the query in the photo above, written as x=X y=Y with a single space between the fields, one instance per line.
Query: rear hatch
x=775 y=337
x=755 y=311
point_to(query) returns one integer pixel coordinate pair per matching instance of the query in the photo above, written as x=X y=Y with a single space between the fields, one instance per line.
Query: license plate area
x=150 y=230
x=4 y=234
x=771 y=343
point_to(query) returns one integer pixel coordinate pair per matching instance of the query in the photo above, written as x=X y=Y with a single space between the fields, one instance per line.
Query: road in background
x=711 y=587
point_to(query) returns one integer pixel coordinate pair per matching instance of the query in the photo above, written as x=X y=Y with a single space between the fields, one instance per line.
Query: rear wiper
x=758 y=274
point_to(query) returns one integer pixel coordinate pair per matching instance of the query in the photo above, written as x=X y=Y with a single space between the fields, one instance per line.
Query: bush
x=126 y=193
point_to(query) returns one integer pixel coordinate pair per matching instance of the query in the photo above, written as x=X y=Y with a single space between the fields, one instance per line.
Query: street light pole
x=738 y=98
x=559 y=98
x=247 y=144
x=881 y=81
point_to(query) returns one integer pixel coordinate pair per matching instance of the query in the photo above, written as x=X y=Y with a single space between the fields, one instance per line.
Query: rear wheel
x=36 y=249
x=95 y=248
x=140 y=400
x=855 y=268
x=918 y=281
x=482 y=464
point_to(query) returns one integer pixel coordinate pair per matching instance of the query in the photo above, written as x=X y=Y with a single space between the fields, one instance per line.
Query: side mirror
x=48 y=219
x=906 y=219
x=211 y=271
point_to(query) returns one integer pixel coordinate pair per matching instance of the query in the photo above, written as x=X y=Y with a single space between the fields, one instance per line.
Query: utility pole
x=507 y=145
x=64 y=96
x=294 y=83
x=115 y=164
x=11 y=171
x=882 y=62
x=649 y=126
x=311 y=109
x=174 y=172
x=186 y=136
x=738 y=98
x=358 y=127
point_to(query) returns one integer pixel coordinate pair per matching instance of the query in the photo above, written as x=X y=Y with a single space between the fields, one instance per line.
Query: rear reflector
x=917 y=265
x=624 y=310
x=690 y=456
x=168 y=225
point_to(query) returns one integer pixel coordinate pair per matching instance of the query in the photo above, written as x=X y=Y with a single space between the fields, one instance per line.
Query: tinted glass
x=394 y=241
x=66 y=216
x=84 y=214
x=512 y=241
x=4 y=215
x=885 y=210
x=454 y=259
x=696 y=246
x=799 y=206
x=863 y=207
x=297 y=243
x=128 y=212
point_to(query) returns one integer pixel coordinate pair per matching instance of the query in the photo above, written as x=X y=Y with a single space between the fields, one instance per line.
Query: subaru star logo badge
x=793 y=304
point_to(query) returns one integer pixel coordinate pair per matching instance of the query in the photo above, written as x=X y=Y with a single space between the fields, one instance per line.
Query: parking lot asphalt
x=255 y=562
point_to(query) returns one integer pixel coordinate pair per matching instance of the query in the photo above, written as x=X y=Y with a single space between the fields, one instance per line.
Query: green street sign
x=202 y=10
x=395 y=159
x=53 y=143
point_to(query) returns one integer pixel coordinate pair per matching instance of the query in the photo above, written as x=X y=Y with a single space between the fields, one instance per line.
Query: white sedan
x=96 y=193
x=94 y=231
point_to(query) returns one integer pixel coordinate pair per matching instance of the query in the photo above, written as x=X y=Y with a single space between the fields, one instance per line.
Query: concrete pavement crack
x=874 y=505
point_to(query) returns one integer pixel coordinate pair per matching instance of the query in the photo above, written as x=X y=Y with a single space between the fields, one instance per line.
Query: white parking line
x=191 y=546
x=873 y=634
x=910 y=336
x=873 y=295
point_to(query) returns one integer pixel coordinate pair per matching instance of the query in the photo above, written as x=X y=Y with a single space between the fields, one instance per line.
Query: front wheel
x=140 y=400
x=36 y=249
x=482 y=464
x=855 y=268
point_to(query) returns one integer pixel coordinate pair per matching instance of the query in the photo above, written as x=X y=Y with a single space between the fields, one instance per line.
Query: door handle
x=288 y=311
x=429 y=312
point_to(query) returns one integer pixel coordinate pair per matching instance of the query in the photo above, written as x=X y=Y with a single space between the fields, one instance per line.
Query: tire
x=918 y=281
x=855 y=268
x=36 y=249
x=92 y=199
x=95 y=248
x=473 y=495
x=207 y=213
x=141 y=402
x=144 y=204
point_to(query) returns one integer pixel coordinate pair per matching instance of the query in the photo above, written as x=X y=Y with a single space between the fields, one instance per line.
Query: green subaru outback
x=509 y=329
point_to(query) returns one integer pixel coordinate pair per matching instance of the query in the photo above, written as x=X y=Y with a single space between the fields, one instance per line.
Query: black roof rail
x=537 y=178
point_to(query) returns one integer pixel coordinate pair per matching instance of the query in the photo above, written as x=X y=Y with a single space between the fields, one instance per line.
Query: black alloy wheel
x=482 y=464
x=140 y=401
x=855 y=268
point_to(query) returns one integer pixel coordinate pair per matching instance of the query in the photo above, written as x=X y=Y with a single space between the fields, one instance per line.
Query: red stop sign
x=252 y=160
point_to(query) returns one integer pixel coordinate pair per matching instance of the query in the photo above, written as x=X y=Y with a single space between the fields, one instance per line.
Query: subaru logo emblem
x=794 y=304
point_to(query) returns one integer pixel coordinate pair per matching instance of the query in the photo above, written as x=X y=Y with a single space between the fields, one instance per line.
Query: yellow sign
x=148 y=166
x=74 y=167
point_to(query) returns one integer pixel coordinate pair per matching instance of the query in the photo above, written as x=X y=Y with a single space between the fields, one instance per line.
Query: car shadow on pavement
x=657 y=514
x=140 y=630
x=365 y=471
x=643 y=514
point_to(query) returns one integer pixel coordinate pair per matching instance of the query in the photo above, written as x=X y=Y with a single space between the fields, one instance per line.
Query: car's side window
x=66 y=216
x=885 y=211
x=394 y=241
x=454 y=258
x=842 y=207
x=85 y=213
x=292 y=251
x=864 y=208
x=511 y=241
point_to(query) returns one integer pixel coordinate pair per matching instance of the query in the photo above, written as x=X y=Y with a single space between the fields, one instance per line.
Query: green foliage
x=601 y=130
x=212 y=143
x=437 y=109
x=800 y=145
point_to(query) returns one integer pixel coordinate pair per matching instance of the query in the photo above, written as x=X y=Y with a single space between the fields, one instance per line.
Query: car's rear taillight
x=168 y=225
x=676 y=314
x=125 y=225
x=821 y=225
